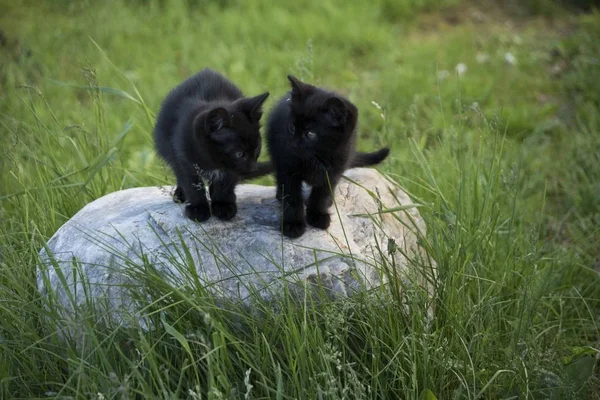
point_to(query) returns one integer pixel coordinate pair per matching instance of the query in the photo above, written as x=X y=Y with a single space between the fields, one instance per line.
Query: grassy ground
x=505 y=158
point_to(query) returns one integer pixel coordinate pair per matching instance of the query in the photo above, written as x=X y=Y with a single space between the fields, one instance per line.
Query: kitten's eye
x=292 y=129
x=239 y=154
x=311 y=135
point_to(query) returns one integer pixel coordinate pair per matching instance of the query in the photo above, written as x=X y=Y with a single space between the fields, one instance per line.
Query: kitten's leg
x=316 y=209
x=179 y=195
x=290 y=191
x=195 y=195
x=222 y=198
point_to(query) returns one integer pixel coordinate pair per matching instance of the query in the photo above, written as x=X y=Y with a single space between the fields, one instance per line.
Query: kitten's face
x=320 y=121
x=233 y=133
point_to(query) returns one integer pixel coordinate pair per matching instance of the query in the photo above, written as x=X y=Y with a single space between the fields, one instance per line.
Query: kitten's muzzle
x=251 y=165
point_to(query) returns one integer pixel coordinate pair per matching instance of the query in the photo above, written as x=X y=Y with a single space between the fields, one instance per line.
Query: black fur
x=311 y=135
x=208 y=133
x=366 y=159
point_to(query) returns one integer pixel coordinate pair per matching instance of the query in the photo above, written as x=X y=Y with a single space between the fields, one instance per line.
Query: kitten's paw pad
x=224 y=211
x=318 y=220
x=179 y=196
x=294 y=229
x=198 y=213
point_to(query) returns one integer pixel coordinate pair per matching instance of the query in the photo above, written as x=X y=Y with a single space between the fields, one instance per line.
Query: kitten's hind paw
x=294 y=229
x=179 y=196
x=198 y=213
x=224 y=211
x=317 y=219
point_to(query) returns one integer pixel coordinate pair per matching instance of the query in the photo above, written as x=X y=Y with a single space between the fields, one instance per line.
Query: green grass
x=505 y=160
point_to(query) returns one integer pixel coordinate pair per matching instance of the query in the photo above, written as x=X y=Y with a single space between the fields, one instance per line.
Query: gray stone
x=94 y=254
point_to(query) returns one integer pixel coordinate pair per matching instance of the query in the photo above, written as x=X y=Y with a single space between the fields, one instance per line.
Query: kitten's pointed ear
x=253 y=105
x=299 y=88
x=338 y=111
x=211 y=121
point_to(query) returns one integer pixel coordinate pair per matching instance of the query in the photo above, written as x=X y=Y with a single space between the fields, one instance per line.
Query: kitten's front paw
x=198 y=213
x=179 y=196
x=224 y=211
x=293 y=229
x=317 y=219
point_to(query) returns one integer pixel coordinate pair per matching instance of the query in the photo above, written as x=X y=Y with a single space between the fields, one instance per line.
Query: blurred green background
x=491 y=109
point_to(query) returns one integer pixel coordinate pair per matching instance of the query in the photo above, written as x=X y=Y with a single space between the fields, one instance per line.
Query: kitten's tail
x=367 y=159
x=262 y=168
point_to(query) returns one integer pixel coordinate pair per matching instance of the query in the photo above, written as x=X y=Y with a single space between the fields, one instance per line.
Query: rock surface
x=235 y=258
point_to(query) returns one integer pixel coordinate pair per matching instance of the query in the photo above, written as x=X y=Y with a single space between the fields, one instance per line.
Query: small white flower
x=482 y=57
x=207 y=319
x=461 y=68
x=443 y=74
x=510 y=59
x=195 y=395
x=247 y=384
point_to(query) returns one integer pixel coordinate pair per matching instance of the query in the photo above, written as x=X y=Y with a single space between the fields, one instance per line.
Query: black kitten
x=208 y=133
x=311 y=135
